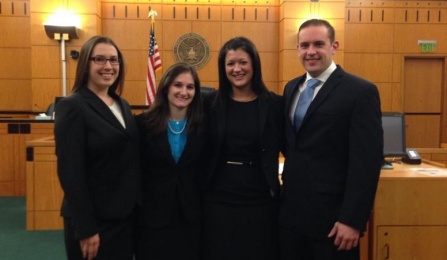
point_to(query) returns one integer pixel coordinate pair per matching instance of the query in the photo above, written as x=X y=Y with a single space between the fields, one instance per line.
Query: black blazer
x=333 y=163
x=170 y=190
x=97 y=161
x=271 y=136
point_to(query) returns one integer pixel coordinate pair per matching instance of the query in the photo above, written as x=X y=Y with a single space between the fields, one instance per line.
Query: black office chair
x=205 y=89
x=50 y=110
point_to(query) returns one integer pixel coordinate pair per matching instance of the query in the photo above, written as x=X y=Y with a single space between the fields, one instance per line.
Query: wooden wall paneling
x=172 y=31
x=367 y=38
x=386 y=96
x=444 y=103
x=372 y=12
x=291 y=64
x=211 y=31
x=48 y=55
x=91 y=26
x=208 y=74
x=269 y=62
x=353 y=14
x=15 y=7
x=263 y=35
x=7 y=142
x=85 y=7
x=331 y=10
x=267 y=13
x=407 y=35
x=15 y=94
x=37 y=30
x=15 y=63
x=288 y=30
x=397 y=98
x=44 y=91
x=136 y=64
x=423 y=131
x=398 y=61
x=15 y=50
x=10 y=26
x=376 y=67
x=423 y=83
x=295 y=10
x=135 y=91
x=232 y=13
x=210 y=13
x=339 y=57
x=131 y=34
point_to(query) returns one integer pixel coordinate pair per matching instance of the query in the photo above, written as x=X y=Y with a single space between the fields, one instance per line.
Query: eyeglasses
x=102 y=60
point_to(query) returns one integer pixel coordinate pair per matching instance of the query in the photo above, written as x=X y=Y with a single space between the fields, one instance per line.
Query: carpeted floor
x=18 y=244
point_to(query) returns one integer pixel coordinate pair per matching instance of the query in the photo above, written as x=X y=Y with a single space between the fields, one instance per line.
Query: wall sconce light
x=62 y=26
x=57 y=32
x=62 y=34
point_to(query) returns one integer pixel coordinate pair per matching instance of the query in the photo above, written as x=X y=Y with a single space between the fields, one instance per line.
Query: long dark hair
x=83 y=67
x=242 y=43
x=158 y=114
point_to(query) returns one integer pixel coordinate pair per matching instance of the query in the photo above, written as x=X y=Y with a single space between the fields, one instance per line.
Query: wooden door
x=423 y=98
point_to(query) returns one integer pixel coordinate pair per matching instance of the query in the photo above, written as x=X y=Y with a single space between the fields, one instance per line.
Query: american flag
x=153 y=64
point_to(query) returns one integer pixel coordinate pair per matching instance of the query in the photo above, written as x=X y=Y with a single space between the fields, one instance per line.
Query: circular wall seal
x=193 y=49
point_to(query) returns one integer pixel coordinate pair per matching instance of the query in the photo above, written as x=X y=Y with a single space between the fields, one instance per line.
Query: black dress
x=240 y=217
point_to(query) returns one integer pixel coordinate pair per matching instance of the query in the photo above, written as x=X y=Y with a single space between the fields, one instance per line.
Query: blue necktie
x=304 y=101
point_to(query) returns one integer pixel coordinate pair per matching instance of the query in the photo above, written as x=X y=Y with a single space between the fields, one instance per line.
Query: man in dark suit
x=333 y=154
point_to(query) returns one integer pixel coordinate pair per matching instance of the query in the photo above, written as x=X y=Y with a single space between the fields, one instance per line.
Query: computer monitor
x=393 y=125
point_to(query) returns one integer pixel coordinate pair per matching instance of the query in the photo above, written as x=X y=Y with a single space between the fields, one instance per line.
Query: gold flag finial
x=152 y=13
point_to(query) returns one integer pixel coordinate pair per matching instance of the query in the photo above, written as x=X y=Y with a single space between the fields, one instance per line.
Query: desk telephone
x=412 y=157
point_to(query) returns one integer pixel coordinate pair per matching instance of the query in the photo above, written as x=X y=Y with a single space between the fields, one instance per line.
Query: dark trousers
x=296 y=246
x=173 y=242
x=115 y=240
x=240 y=232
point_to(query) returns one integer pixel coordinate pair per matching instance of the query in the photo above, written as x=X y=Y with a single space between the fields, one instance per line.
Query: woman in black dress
x=243 y=123
x=168 y=227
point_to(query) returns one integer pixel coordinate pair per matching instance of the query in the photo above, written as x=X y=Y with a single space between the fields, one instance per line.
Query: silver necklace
x=177 y=132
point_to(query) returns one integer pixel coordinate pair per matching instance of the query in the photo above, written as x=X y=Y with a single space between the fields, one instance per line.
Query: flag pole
x=154 y=61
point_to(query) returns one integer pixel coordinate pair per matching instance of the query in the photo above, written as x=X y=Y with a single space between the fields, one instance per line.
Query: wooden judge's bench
x=409 y=218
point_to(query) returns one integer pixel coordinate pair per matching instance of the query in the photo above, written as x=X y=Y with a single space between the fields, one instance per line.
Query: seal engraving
x=193 y=49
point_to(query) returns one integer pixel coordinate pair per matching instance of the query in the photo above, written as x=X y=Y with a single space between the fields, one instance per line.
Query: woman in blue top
x=168 y=227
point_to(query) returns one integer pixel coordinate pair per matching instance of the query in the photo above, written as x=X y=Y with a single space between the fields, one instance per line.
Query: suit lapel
x=329 y=86
x=102 y=109
x=162 y=143
x=264 y=107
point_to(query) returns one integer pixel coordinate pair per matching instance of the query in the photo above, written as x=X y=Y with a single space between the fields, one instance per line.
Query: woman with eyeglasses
x=98 y=157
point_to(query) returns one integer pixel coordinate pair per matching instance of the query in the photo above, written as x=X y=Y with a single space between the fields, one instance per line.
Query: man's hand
x=346 y=237
x=89 y=247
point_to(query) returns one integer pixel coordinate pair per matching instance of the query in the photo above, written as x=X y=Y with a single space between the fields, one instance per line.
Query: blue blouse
x=177 y=134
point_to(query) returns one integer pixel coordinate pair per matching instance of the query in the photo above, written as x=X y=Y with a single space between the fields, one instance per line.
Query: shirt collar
x=325 y=75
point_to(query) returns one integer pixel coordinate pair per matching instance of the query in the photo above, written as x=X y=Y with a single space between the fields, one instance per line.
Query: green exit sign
x=427 y=45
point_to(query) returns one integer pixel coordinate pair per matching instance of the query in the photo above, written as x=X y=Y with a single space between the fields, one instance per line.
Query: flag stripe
x=153 y=64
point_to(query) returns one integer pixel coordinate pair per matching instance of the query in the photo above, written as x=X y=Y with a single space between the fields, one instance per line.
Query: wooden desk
x=409 y=218
x=43 y=191
x=14 y=133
